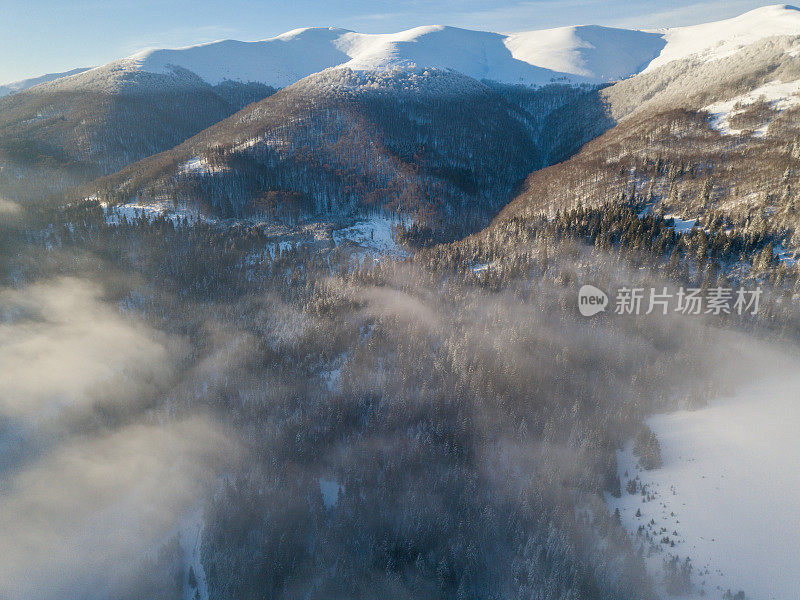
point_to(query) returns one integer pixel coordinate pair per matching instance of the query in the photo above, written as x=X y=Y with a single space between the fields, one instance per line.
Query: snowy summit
x=577 y=54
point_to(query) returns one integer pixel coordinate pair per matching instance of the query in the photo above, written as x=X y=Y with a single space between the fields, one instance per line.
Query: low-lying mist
x=97 y=473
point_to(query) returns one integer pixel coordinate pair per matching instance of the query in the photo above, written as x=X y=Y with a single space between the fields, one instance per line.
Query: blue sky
x=44 y=36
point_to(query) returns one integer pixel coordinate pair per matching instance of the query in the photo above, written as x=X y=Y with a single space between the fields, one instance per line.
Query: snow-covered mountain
x=24 y=84
x=580 y=54
x=406 y=76
x=712 y=41
x=214 y=80
x=575 y=54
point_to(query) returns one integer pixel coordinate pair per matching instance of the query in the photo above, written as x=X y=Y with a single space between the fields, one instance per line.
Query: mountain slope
x=24 y=84
x=708 y=140
x=77 y=128
x=68 y=131
x=711 y=41
x=436 y=144
x=63 y=133
x=378 y=135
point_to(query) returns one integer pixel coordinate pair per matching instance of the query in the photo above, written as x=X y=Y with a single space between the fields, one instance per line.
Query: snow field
x=726 y=495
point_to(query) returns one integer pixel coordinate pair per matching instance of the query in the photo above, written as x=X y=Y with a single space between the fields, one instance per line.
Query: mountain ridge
x=574 y=54
x=13 y=87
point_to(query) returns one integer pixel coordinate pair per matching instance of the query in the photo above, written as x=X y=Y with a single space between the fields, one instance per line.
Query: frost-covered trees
x=647 y=448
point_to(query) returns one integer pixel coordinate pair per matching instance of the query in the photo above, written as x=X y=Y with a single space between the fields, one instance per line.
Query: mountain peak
x=572 y=54
x=718 y=39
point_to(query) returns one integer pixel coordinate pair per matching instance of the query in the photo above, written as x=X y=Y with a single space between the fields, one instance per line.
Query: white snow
x=681 y=225
x=728 y=487
x=712 y=41
x=786 y=255
x=279 y=61
x=581 y=54
x=134 y=210
x=780 y=95
x=194 y=165
x=200 y=165
x=575 y=54
x=371 y=235
x=596 y=53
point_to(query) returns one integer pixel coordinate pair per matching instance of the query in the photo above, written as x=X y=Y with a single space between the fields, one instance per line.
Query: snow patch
x=372 y=235
x=785 y=255
x=330 y=488
x=198 y=164
x=681 y=225
x=178 y=214
x=779 y=95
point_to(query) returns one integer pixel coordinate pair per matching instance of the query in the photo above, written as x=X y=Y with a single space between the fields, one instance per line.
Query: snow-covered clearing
x=178 y=214
x=373 y=235
x=200 y=165
x=726 y=494
x=681 y=225
x=481 y=269
x=779 y=95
